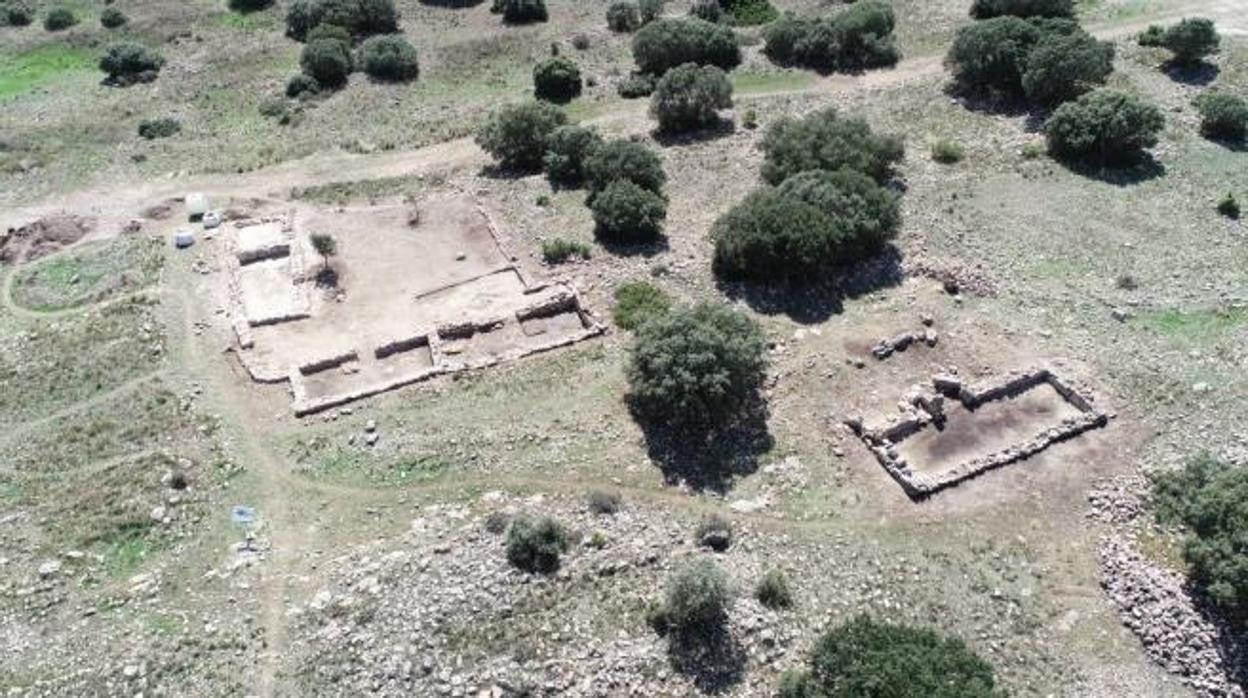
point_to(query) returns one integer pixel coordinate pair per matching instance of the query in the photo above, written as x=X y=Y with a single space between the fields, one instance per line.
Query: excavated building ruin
x=948 y=403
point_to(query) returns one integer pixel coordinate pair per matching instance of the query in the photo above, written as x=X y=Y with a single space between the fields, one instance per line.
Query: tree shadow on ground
x=635 y=249
x=722 y=128
x=1195 y=74
x=708 y=458
x=1233 y=145
x=1141 y=169
x=812 y=303
x=711 y=657
x=452 y=4
x=1232 y=635
x=502 y=173
x=992 y=103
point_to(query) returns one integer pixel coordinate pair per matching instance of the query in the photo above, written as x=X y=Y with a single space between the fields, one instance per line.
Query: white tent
x=183 y=239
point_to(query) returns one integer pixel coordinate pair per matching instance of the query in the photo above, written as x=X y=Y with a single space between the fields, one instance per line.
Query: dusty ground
x=103 y=400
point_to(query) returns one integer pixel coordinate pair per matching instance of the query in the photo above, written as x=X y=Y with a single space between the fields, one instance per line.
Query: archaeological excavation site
x=413 y=291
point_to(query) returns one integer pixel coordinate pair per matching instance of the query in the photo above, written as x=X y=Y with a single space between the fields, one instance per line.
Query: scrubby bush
x=947 y=152
x=111 y=18
x=159 y=128
x=707 y=10
x=749 y=13
x=1062 y=67
x=826 y=141
x=666 y=43
x=560 y=250
x=603 y=502
x=772 y=237
x=625 y=213
x=248 y=5
x=858 y=37
x=697 y=598
x=523 y=11
x=1229 y=206
x=992 y=55
x=1191 y=40
x=696 y=366
x=566 y=151
x=637 y=302
x=327 y=61
x=16 y=13
x=389 y=58
x=329 y=31
x=1103 y=127
x=557 y=80
x=865 y=214
x=714 y=532
x=986 y=9
x=59 y=18
x=868 y=658
x=127 y=62
x=688 y=97
x=623 y=17
x=624 y=159
x=650 y=10
x=1222 y=115
x=300 y=85
x=1210 y=499
x=636 y=85
x=773 y=590
x=535 y=544
x=362 y=18
x=517 y=134
x=1154 y=36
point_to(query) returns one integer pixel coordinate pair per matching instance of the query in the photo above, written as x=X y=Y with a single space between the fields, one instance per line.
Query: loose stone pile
x=1158 y=606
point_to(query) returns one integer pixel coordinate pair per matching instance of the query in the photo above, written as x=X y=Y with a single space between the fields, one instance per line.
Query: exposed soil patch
x=43 y=237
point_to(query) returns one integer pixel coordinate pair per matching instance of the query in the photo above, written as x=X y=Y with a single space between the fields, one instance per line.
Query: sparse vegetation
x=749 y=13
x=947 y=152
x=604 y=503
x=112 y=18
x=1104 y=127
x=1223 y=115
x=389 y=58
x=985 y=9
x=249 y=5
x=1229 y=206
x=859 y=37
x=59 y=18
x=667 y=43
x=696 y=366
x=127 y=63
x=625 y=213
x=535 y=544
x=325 y=245
x=825 y=140
x=328 y=61
x=688 y=98
x=636 y=85
x=1191 y=40
x=159 y=128
x=560 y=250
x=1209 y=498
x=16 y=13
x=637 y=302
x=517 y=135
x=623 y=17
x=707 y=10
x=773 y=590
x=867 y=657
x=361 y=18
x=557 y=80
x=696 y=601
x=567 y=149
x=715 y=532
x=624 y=159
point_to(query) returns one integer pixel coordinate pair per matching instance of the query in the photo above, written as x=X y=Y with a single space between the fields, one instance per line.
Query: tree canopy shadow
x=708 y=458
x=722 y=128
x=711 y=657
x=635 y=249
x=452 y=4
x=1197 y=74
x=499 y=172
x=814 y=302
x=1232 y=635
x=988 y=102
x=1141 y=169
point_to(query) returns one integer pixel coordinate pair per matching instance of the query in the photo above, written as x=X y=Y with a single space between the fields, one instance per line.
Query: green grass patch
x=39 y=66
x=124 y=555
x=1195 y=327
x=92 y=274
x=753 y=82
x=248 y=21
x=338 y=193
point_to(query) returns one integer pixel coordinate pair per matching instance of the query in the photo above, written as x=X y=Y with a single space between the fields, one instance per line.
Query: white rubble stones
x=903 y=340
x=1157 y=606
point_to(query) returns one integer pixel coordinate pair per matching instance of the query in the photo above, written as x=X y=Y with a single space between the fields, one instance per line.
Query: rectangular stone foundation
x=926 y=411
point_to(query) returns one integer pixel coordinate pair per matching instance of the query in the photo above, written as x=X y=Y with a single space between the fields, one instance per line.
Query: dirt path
x=115 y=205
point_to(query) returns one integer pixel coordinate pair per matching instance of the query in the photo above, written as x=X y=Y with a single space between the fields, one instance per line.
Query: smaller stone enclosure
x=413 y=293
x=948 y=432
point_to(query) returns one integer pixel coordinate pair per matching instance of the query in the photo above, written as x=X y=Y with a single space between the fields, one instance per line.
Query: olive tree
x=1104 y=127
x=688 y=97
